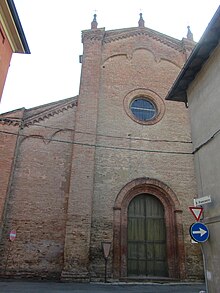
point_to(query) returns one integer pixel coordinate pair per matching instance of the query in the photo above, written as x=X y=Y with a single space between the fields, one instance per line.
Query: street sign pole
x=106 y=245
x=205 y=272
x=198 y=231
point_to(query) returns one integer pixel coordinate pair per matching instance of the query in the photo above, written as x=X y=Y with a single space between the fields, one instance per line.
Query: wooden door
x=146 y=237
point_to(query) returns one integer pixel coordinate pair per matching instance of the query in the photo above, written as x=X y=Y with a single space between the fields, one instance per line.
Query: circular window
x=144 y=106
x=143 y=109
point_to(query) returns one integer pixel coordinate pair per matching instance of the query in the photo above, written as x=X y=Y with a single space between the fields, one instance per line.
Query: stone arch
x=173 y=222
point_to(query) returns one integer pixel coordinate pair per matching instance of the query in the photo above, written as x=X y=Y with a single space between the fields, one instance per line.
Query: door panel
x=146 y=237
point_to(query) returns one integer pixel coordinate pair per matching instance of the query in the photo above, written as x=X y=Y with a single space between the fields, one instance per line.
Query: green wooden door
x=146 y=237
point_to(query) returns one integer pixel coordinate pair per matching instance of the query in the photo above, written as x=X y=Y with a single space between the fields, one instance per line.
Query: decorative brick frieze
x=171 y=42
x=11 y=121
x=93 y=35
x=50 y=113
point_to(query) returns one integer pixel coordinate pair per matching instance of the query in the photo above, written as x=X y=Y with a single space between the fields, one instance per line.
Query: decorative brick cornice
x=123 y=34
x=56 y=109
x=120 y=34
x=40 y=113
x=10 y=121
x=93 y=35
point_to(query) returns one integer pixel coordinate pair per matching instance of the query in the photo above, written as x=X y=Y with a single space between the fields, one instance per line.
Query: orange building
x=12 y=38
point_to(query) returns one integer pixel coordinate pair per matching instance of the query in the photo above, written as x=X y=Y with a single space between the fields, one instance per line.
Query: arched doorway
x=146 y=253
x=172 y=255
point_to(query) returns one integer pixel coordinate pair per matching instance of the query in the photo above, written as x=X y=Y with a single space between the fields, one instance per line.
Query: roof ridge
x=51 y=103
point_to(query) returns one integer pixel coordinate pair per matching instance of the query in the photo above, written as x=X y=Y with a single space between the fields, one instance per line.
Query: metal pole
x=106 y=269
x=204 y=264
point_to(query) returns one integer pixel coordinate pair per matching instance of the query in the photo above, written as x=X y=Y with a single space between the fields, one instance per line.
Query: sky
x=53 y=32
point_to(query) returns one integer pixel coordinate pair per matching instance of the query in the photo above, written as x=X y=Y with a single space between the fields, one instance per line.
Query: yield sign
x=197 y=212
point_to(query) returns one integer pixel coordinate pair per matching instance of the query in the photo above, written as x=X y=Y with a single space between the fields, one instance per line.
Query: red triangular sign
x=197 y=212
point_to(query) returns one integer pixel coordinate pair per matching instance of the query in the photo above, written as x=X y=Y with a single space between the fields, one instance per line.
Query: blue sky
x=53 y=31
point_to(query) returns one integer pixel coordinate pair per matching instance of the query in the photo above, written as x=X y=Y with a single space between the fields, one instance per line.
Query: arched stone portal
x=173 y=224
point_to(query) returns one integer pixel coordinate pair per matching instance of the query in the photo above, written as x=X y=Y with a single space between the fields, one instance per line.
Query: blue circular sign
x=199 y=232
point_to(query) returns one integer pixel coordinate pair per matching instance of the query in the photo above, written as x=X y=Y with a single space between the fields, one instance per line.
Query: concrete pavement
x=11 y=286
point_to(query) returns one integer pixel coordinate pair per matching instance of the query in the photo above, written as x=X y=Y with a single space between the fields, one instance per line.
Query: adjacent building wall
x=5 y=58
x=204 y=105
x=12 y=38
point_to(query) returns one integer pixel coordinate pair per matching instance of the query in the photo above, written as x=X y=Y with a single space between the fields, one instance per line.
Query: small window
x=143 y=109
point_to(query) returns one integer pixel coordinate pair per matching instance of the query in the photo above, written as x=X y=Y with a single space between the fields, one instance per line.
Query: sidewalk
x=21 y=286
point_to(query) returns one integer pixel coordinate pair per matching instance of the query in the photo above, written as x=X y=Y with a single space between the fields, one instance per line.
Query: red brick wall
x=8 y=140
x=127 y=150
x=38 y=199
x=7 y=152
x=71 y=168
x=77 y=242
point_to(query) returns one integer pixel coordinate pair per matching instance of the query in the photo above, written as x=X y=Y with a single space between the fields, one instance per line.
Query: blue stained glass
x=143 y=109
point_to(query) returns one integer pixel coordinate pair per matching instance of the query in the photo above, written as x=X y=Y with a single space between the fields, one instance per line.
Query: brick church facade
x=112 y=164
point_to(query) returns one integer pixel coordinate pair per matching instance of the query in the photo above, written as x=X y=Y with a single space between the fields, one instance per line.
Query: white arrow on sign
x=201 y=231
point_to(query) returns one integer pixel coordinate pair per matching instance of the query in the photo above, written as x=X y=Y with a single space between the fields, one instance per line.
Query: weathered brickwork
x=78 y=163
x=8 y=140
x=38 y=198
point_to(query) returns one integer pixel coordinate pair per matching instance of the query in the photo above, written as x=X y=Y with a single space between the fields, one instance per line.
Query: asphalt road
x=49 y=287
